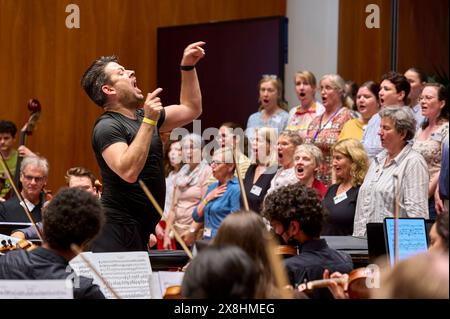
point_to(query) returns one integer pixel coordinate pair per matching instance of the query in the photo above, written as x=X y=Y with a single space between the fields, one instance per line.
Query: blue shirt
x=443 y=176
x=417 y=111
x=371 y=140
x=278 y=121
x=216 y=210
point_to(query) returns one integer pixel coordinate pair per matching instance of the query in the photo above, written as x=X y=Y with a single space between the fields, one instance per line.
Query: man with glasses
x=33 y=176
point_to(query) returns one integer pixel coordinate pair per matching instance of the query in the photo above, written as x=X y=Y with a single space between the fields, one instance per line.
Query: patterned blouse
x=431 y=148
x=324 y=136
x=299 y=119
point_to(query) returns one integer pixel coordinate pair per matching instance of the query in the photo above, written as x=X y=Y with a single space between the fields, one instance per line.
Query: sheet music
x=36 y=289
x=412 y=237
x=128 y=273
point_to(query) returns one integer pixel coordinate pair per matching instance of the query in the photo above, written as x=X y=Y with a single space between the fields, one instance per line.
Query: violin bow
x=172 y=228
x=277 y=267
x=396 y=216
x=241 y=183
x=20 y=197
x=77 y=250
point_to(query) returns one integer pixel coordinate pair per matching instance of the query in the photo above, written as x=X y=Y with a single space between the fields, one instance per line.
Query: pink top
x=190 y=186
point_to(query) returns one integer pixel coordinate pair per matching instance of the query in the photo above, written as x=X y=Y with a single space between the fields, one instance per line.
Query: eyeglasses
x=270 y=76
x=214 y=162
x=29 y=178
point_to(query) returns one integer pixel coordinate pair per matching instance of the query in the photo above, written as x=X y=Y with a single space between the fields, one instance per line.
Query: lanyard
x=320 y=124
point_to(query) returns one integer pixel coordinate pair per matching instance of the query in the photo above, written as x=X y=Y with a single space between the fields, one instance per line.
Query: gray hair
x=338 y=84
x=312 y=150
x=403 y=119
x=195 y=138
x=293 y=137
x=35 y=161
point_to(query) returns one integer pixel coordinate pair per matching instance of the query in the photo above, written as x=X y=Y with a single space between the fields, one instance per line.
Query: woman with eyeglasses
x=324 y=130
x=222 y=197
x=428 y=140
x=272 y=108
x=309 y=108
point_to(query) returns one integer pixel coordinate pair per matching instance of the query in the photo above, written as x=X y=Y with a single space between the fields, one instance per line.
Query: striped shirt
x=376 y=195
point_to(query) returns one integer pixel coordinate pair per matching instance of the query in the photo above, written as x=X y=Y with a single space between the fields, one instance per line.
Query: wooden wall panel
x=41 y=58
x=363 y=53
x=423 y=26
x=423 y=30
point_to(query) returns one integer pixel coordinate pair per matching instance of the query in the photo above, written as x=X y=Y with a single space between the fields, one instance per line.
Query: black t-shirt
x=126 y=203
x=340 y=215
x=257 y=191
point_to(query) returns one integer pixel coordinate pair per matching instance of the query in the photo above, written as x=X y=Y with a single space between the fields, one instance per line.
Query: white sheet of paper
x=36 y=289
x=128 y=273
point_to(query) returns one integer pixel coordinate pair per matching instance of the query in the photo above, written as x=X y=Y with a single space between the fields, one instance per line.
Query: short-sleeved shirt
x=278 y=121
x=126 y=203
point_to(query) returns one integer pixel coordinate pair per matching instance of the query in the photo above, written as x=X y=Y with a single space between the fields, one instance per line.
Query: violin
x=355 y=283
x=286 y=250
x=7 y=245
x=173 y=292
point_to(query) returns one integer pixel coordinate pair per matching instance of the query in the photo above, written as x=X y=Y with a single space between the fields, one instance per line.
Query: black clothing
x=314 y=257
x=12 y=212
x=125 y=203
x=42 y=263
x=261 y=186
x=340 y=215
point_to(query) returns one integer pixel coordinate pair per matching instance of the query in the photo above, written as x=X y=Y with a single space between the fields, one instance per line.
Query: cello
x=34 y=106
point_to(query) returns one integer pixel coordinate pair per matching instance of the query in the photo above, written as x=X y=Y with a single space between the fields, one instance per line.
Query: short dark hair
x=95 y=77
x=74 y=216
x=296 y=202
x=8 y=127
x=218 y=273
x=79 y=172
x=423 y=77
x=373 y=87
x=400 y=82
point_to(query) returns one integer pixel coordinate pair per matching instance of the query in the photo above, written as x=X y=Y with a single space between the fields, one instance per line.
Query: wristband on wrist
x=205 y=201
x=149 y=121
x=187 y=67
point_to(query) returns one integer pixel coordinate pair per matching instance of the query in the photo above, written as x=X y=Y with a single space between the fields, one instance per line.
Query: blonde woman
x=272 y=108
x=350 y=163
x=309 y=108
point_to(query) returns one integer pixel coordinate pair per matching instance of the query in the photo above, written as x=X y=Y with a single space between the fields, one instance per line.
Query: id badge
x=256 y=190
x=339 y=198
x=207 y=232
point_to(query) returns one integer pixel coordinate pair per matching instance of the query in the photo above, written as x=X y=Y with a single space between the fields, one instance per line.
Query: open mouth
x=302 y=94
x=280 y=155
x=382 y=101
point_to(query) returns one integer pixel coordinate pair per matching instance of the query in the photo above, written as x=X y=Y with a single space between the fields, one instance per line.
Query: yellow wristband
x=149 y=121
x=205 y=201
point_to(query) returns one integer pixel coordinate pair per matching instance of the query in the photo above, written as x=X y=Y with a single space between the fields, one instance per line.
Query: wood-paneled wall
x=364 y=54
x=41 y=58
